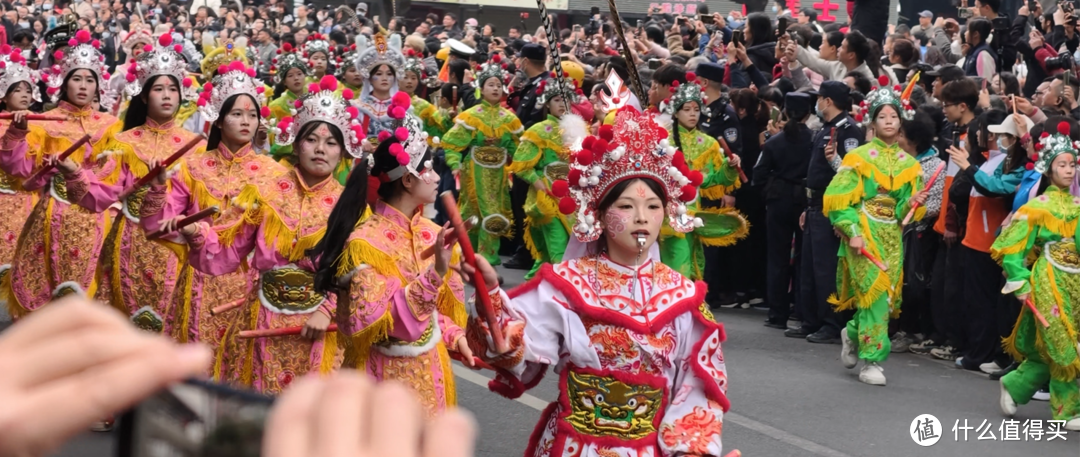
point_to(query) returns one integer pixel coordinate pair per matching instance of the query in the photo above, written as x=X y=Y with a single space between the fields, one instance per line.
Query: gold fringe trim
x=479 y=124
x=362 y=341
x=199 y=193
x=718 y=192
x=839 y=202
x=115 y=282
x=866 y=169
x=15 y=309
x=360 y=252
x=450 y=306
x=329 y=352
x=276 y=233
x=527 y=238
x=1008 y=344
x=731 y=238
x=187 y=275
x=247 y=376
x=449 y=388
x=1041 y=217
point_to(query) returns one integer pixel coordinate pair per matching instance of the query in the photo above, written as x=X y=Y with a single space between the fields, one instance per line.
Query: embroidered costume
x=377 y=117
x=641 y=371
x=1037 y=250
x=869 y=196
x=57 y=251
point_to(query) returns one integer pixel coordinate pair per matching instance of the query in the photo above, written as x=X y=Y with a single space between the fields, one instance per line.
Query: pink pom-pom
x=3 y=64
x=353 y=112
x=312 y=88
x=165 y=39
x=328 y=83
x=287 y=119
x=58 y=55
x=397 y=112
x=265 y=111
x=95 y=44
x=5 y=48
x=147 y=48
x=1063 y=128
x=384 y=135
x=689 y=193
x=83 y=36
x=52 y=90
x=72 y=43
x=105 y=76
x=690 y=76
x=250 y=72
x=298 y=103
x=401 y=133
x=567 y=205
x=560 y=188
x=208 y=87
x=178 y=48
x=201 y=102
x=130 y=78
x=347 y=94
x=396 y=149
x=260 y=90
x=883 y=80
x=402 y=99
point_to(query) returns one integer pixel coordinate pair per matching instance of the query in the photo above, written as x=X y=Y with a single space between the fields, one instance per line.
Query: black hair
x=215 y=132
x=858 y=44
x=795 y=118
x=994 y=5
x=137 y=109
x=980 y=26
x=862 y=83
x=961 y=91
x=339 y=37
x=669 y=73
x=23 y=34
x=772 y=94
x=618 y=189
x=655 y=34
x=1009 y=83
x=905 y=50
x=339 y=226
x=447 y=92
x=457 y=69
x=310 y=127
x=834 y=38
x=920 y=131
x=760 y=27
x=988 y=118
x=452 y=16
x=11 y=88
x=63 y=88
x=810 y=13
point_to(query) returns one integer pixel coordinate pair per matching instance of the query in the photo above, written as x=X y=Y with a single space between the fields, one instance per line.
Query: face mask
x=157 y=10
x=154 y=21
x=24 y=24
x=774 y=8
x=96 y=6
x=112 y=28
x=46 y=6
x=1001 y=145
x=106 y=34
x=187 y=34
x=730 y=19
x=818 y=113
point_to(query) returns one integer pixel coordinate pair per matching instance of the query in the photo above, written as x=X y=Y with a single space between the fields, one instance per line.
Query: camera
x=1061 y=62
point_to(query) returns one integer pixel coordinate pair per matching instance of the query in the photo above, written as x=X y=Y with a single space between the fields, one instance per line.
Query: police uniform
x=820 y=242
x=781 y=168
x=723 y=121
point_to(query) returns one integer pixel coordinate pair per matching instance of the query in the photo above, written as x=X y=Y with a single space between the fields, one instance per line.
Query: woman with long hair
x=211 y=176
x=710 y=170
x=138 y=276
x=488 y=133
x=19 y=86
x=281 y=219
x=381 y=67
x=641 y=371
x=436 y=123
x=291 y=74
x=1050 y=287
x=871 y=193
x=401 y=311
x=980 y=59
x=57 y=252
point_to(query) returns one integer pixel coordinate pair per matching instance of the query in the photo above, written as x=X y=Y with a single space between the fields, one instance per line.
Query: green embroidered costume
x=868 y=198
x=436 y=122
x=279 y=109
x=685 y=252
x=1043 y=233
x=479 y=146
x=542 y=156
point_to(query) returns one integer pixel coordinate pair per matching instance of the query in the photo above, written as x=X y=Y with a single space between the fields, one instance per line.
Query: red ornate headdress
x=635 y=147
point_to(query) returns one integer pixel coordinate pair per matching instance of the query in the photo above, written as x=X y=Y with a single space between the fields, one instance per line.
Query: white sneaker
x=1008 y=405
x=872 y=374
x=847 y=350
x=990 y=367
x=1073 y=425
x=1041 y=395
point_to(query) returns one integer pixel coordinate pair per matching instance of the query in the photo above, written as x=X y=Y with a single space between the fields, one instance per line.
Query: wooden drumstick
x=164 y=165
x=78 y=144
x=186 y=222
x=451 y=238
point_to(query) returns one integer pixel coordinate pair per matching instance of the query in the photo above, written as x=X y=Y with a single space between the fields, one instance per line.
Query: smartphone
x=655 y=63
x=781 y=26
x=564 y=58
x=195 y=418
x=707 y=19
x=964 y=13
x=774 y=113
x=681 y=20
x=737 y=37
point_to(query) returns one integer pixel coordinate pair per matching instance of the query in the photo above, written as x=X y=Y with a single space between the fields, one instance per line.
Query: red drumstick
x=1035 y=311
x=450 y=239
x=60 y=158
x=227 y=307
x=929 y=184
x=873 y=260
x=162 y=166
x=276 y=332
x=728 y=153
x=450 y=206
x=186 y=222
x=34 y=117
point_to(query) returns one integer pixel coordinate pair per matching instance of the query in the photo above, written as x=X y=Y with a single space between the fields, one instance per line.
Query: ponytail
x=343 y=219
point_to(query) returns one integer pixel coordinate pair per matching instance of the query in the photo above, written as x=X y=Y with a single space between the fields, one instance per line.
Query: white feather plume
x=574 y=130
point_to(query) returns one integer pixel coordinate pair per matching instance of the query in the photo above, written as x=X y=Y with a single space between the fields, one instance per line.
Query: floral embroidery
x=329 y=201
x=285 y=378
x=176 y=139
x=210 y=162
x=253 y=167
x=427 y=236
x=285 y=185
x=696 y=431
x=137 y=133
x=1043 y=198
x=390 y=235
x=1055 y=311
x=873 y=153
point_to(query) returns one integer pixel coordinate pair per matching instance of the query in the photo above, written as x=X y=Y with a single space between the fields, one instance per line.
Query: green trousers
x=1034 y=371
x=550 y=240
x=869 y=328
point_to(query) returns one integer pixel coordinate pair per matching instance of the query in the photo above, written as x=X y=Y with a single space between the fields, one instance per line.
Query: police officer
x=533 y=58
x=820 y=323
x=781 y=168
x=723 y=121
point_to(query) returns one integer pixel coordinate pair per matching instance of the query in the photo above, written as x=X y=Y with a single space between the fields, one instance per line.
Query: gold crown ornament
x=1052 y=145
x=636 y=146
x=232 y=79
x=380 y=52
x=287 y=58
x=686 y=93
x=165 y=59
x=323 y=103
x=13 y=69
x=883 y=95
x=82 y=54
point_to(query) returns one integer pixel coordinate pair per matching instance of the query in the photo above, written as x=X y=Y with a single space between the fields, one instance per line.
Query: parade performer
x=381 y=66
x=133 y=44
x=57 y=251
x=212 y=176
x=541 y=159
x=1046 y=225
x=281 y=220
x=317 y=53
x=641 y=371
x=347 y=73
x=873 y=190
x=19 y=86
x=436 y=122
x=139 y=276
x=218 y=54
x=403 y=311
x=488 y=133
x=712 y=171
x=290 y=72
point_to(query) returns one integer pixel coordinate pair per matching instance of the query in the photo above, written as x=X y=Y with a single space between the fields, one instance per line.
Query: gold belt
x=557 y=170
x=881 y=208
x=1063 y=253
x=7 y=183
x=290 y=290
x=59 y=187
x=489 y=156
x=135 y=201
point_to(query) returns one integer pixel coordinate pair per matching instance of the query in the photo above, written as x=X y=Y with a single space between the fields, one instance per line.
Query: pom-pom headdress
x=13 y=69
x=686 y=93
x=413 y=64
x=323 y=103
x=635 y=147
x=286 y=59
x=493 y=68
x=413 y=140
x=316 y=42
x=884 y=95
x=346 y=57
x=1052 y=145
x=232 y=79
x=219 y=55
x=554 y=87
x=164 y=59
x=136 y=40
x=381 y=52
x=82 y=54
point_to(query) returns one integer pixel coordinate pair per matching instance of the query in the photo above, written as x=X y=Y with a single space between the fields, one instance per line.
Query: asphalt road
x=789 y=398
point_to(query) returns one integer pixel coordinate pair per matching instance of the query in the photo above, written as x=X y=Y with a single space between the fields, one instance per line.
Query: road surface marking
x=738 y=419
